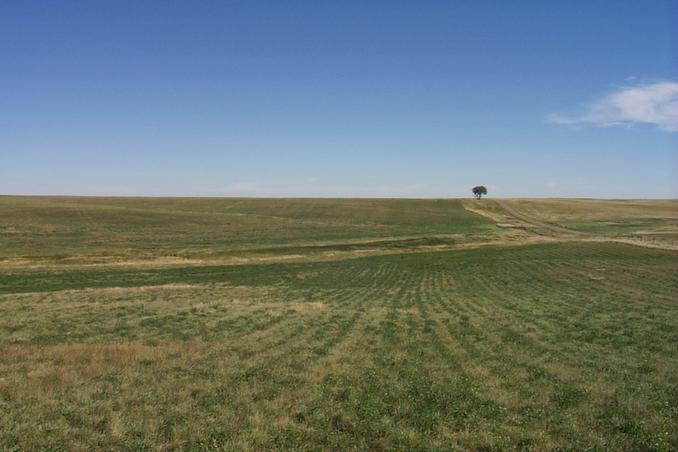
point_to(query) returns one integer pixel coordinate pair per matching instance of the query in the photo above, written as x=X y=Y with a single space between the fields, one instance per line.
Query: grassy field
x=650 y=220
x=83 y=230
x=247 y=324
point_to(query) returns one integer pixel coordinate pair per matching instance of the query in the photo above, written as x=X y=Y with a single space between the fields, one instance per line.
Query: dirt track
x=580 y=235
x=534 y=222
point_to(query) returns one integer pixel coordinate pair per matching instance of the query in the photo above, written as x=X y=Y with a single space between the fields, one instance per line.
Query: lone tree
x=479 y=191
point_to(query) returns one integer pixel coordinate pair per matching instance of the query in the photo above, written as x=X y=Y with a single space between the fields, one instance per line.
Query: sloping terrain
x=509 y=335
x=644 y=222
x=68 y=230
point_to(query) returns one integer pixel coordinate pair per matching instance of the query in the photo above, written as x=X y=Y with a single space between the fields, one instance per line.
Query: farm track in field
x=535 y=222
x=532 y=228
x=460 y=336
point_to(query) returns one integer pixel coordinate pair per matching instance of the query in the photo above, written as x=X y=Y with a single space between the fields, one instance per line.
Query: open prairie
x=250 y=324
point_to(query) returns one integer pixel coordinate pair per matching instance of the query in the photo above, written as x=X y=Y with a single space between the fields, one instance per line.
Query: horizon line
x=61 y=195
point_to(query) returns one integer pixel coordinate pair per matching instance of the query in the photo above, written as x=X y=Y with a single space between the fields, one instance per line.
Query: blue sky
x=320 y=98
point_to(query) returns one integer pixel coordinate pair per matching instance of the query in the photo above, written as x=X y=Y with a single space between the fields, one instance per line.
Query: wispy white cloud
x=654 y=103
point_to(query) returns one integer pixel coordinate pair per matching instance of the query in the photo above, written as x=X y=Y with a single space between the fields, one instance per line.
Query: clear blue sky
x=339 y=98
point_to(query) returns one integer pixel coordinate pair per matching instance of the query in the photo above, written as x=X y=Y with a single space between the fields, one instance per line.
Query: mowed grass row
x=72 y=228
x=569 y=345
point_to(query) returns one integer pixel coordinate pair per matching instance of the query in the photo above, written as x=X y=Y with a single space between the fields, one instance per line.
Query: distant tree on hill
x=479 y=191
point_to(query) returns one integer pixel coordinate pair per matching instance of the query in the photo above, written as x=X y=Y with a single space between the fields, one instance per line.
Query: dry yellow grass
x=575 y=210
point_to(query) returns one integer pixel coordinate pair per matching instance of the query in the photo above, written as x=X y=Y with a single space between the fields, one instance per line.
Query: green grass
x=625 y=226
x=64 y=228
x=554 y=346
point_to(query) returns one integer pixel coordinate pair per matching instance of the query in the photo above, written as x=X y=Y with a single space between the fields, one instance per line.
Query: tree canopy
x=479 y=191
